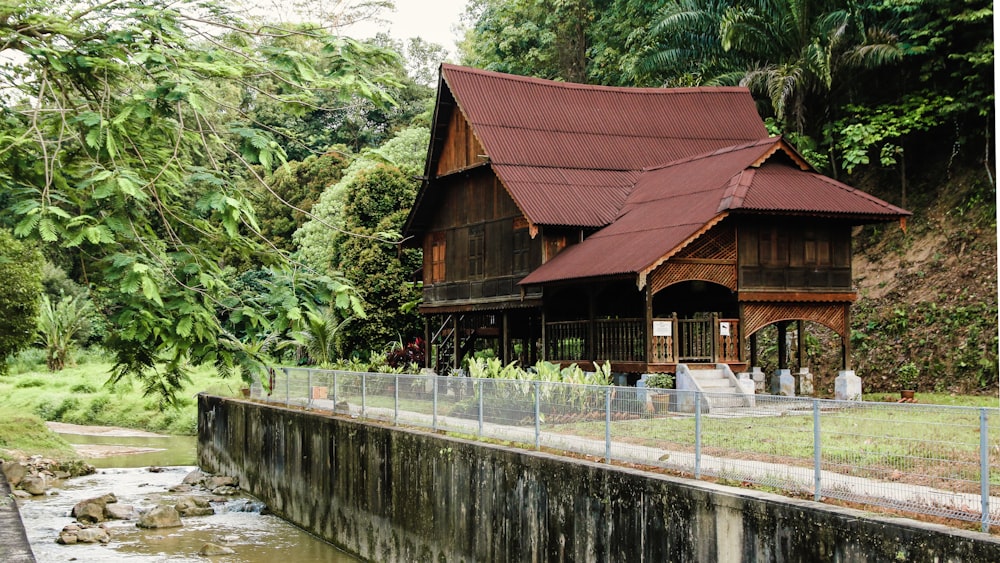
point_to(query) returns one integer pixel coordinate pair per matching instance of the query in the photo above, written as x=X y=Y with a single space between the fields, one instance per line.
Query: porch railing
x=672 y=340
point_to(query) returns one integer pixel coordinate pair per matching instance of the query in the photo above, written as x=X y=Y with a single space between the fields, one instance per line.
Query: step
x=708 y=374
x=715 y=385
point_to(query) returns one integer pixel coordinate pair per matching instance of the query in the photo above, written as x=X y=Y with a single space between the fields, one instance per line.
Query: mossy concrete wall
x=389 y=494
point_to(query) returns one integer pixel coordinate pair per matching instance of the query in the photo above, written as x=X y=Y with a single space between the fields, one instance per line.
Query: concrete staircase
x=718 y=385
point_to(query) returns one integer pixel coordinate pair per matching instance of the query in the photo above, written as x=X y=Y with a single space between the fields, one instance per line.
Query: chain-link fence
x=927 y=459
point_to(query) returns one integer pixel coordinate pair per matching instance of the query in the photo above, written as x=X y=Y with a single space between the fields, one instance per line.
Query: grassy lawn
x=78 y=395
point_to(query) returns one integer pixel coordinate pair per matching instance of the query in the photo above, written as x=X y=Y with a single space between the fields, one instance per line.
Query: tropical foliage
x=21 y=272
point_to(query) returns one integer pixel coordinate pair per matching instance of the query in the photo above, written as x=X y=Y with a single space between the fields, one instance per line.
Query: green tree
x=118 y=146
x=803 y=57
x=21 y=272
x=377 y=202
x=317 y=241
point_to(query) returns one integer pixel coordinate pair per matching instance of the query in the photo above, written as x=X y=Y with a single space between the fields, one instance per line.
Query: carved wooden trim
x=676 y=272
x=759 y=315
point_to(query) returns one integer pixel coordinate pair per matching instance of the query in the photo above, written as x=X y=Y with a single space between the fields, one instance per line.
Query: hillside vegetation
x=926 y=315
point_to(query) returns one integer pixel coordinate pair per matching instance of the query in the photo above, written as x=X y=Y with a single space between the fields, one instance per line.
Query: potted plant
x=656 y=382
x=906 y=376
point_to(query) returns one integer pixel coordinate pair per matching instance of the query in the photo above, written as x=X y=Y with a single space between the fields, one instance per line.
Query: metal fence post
x=480 y=383
x=309 y=387
x=287 y=375
x=607 y=424
x=395 y=400
x=538 y=417
x=287 y=380
x=984 y=468
x=817 y=453
x=434 y=420
x=334 y=390
x=364 y=393
x=697 y=434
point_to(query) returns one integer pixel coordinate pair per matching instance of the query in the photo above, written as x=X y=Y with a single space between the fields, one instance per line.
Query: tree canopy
x=124 y=126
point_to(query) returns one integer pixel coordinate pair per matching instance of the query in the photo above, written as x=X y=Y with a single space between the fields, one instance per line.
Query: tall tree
x=118 y=147
x=21 y=271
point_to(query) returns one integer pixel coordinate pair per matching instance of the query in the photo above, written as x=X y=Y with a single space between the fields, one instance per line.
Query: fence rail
x=925 y=459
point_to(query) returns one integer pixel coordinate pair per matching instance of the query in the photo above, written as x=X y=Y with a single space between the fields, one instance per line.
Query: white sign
x=663 y=328
x=724 y=328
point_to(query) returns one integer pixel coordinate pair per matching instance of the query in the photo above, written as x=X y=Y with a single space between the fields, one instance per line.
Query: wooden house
x=643 y=226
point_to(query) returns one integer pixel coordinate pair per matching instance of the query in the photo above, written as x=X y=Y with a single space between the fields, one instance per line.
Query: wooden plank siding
x=480 y=225
x=795 y=255
x=461 y=148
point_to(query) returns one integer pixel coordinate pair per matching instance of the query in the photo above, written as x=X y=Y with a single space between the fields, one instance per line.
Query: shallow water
x=254 y=537
x=169 y=450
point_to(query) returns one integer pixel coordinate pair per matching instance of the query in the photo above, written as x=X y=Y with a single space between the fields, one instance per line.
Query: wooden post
x=649 y=325
x=753 y=351
x=428 y=347
x=845 y=339
x=677 y=336
x=505 y=336
x=715 y=338
x=588 y=350
x=456 y=358
x=542 y=354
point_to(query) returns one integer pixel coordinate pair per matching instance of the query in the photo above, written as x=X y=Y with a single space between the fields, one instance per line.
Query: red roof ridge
x=597 y=87
x=709 y=154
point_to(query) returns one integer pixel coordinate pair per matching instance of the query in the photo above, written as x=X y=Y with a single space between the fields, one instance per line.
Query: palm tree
x=317 y=335
x=795 y=54
x=804 y=52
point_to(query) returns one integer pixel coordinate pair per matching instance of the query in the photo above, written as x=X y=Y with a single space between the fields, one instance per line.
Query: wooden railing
x=566 y=340
x=672 y=340
x=622 y=340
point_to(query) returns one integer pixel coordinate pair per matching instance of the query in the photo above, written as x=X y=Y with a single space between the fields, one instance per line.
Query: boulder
x=210 y=549
x=216 y=481
x=119 y=512
x=160 y=517
x=34 y=484
x=194 y=506
x=181 y=488
x=92 y=510
x=14 y=472
x=194 y=478
x=226 y=490
x=74 y=533
x=96 y=534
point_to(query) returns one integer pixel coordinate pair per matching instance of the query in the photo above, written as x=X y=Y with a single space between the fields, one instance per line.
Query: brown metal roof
x=671 y=204
x=652 y=166
x=600 y=135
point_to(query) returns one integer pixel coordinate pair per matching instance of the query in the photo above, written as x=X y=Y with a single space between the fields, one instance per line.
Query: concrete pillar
x=782 y=383
x=847 y=386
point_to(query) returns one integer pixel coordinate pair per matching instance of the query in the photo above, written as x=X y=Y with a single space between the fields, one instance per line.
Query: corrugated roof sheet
x=672 y=203
x=652 y=166
x=527 y=124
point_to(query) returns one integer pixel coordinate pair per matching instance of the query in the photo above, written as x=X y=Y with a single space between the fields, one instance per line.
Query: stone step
x=708 y=374
x=716 y=385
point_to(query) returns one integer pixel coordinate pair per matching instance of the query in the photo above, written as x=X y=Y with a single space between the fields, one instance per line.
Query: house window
x=437 y=258
x=477 y=251
x=521 y=249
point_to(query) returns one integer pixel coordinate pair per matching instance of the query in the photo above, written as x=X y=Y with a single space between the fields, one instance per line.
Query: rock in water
x=14 y=472
x=194 y=506
x=119 y=511
x=34 y=484
x=92 y=510
x=210 y=549
x=160 y=517
x=194 y=478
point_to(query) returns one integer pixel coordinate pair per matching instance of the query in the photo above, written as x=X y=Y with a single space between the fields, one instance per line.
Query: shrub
x=21 y=272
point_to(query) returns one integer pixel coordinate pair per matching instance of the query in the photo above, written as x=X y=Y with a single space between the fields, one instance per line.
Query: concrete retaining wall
x=14 y=547
x=389 y=494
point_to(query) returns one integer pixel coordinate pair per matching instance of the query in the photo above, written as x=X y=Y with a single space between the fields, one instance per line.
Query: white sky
x=432 y=20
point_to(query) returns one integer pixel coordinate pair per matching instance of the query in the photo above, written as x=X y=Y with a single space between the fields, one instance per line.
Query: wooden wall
x=795 y=255
x=461 y=148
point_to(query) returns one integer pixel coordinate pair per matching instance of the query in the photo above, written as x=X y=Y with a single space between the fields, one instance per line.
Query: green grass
x=941 y=399
x=26 y=434
x=79 y=395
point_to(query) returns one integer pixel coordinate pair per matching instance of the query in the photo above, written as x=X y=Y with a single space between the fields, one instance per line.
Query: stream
x=237 y=523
